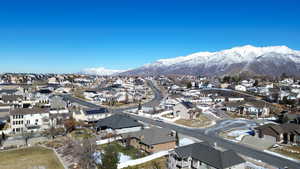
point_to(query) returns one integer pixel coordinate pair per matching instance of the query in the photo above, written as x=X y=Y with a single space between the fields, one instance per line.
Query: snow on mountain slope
x=234 y=55
x=235 y=60
x=101 y=71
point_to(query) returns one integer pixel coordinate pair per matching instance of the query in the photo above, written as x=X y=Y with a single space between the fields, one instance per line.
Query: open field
x=30 y=158
x=201 y=121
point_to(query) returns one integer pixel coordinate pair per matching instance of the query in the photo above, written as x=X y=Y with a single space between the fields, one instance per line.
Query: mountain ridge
x=270 y=60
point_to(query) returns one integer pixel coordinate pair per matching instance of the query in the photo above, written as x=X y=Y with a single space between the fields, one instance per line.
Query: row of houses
x=155 y=139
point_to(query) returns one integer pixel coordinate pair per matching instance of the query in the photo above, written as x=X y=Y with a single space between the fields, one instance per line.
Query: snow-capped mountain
x=101 y=71
x=273 y=60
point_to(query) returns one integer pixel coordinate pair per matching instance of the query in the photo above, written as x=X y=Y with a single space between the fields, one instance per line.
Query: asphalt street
x=209 y=135
x=239 y=148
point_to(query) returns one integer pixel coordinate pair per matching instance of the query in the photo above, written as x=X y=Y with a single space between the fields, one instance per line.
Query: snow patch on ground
x=253 y=166
x=185 y=141
x=124 y=158
x=239 y=134
x=210 y=113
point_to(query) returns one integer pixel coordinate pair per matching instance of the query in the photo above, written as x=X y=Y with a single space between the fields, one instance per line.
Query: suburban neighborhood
x=150 y=84
x=163 y=121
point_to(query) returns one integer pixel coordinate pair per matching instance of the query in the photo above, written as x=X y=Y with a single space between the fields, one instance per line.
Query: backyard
x=126 y=152
x=30 y=158
x=154 y=164
x=83 y=133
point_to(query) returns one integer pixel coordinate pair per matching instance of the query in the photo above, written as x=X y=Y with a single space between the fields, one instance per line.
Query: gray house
x=118 y=124
x=204 y=156
x=151 y=140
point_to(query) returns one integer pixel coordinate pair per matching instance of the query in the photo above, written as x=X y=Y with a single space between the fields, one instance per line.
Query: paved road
x=205 y=135
x=154 y=102
x=79 y=101
x=239 y=148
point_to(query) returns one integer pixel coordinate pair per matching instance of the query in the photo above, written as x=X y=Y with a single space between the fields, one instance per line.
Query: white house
x=203 y=156
x=235 y=99
x=29 y=119
x=91 y=115
x=240 y=88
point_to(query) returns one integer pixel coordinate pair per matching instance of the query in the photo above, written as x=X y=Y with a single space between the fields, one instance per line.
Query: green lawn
x=29 y=158
x=130 y=151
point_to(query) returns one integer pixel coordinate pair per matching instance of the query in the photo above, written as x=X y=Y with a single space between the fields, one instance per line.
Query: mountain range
x=101 y=71
x=271 y=61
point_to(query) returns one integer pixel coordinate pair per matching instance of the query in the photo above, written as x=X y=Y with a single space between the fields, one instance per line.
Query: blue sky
x=70 y=35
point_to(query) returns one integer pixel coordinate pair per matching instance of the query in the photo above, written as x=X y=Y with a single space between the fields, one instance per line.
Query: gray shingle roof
x=29 y=111
x=57 y=103
x=187 y=105
x=10 y=98
x=118 y=121
x=152 y=136
x=279 y=129
x=209 y=155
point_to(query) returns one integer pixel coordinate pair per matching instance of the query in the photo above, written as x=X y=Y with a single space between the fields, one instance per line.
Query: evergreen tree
x=3 y=136
x=189 y=85
x=177 y=139
x=109 y=158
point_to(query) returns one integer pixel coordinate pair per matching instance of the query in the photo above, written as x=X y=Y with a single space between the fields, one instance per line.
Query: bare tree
x=27 y=136
x=84 y=151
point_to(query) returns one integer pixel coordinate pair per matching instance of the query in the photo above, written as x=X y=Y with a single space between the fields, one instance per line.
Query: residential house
x=92 y=115
x=4 y=110
x=184 y=110
x=29 y=119
x=235 y=99
x=218 y=99
x=8 y=92
x=151 y=140
x=58 y=105
x=204 y=156
x=118 y=124
x=12 y=99
x=240 y=88
x=257 y=108
x=286 y=133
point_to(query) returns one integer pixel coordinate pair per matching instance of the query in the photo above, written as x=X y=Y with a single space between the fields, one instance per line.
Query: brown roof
x=291 y=128
x=10 y=98
x=28 y=111
x=274 y=129
x=254 y=103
